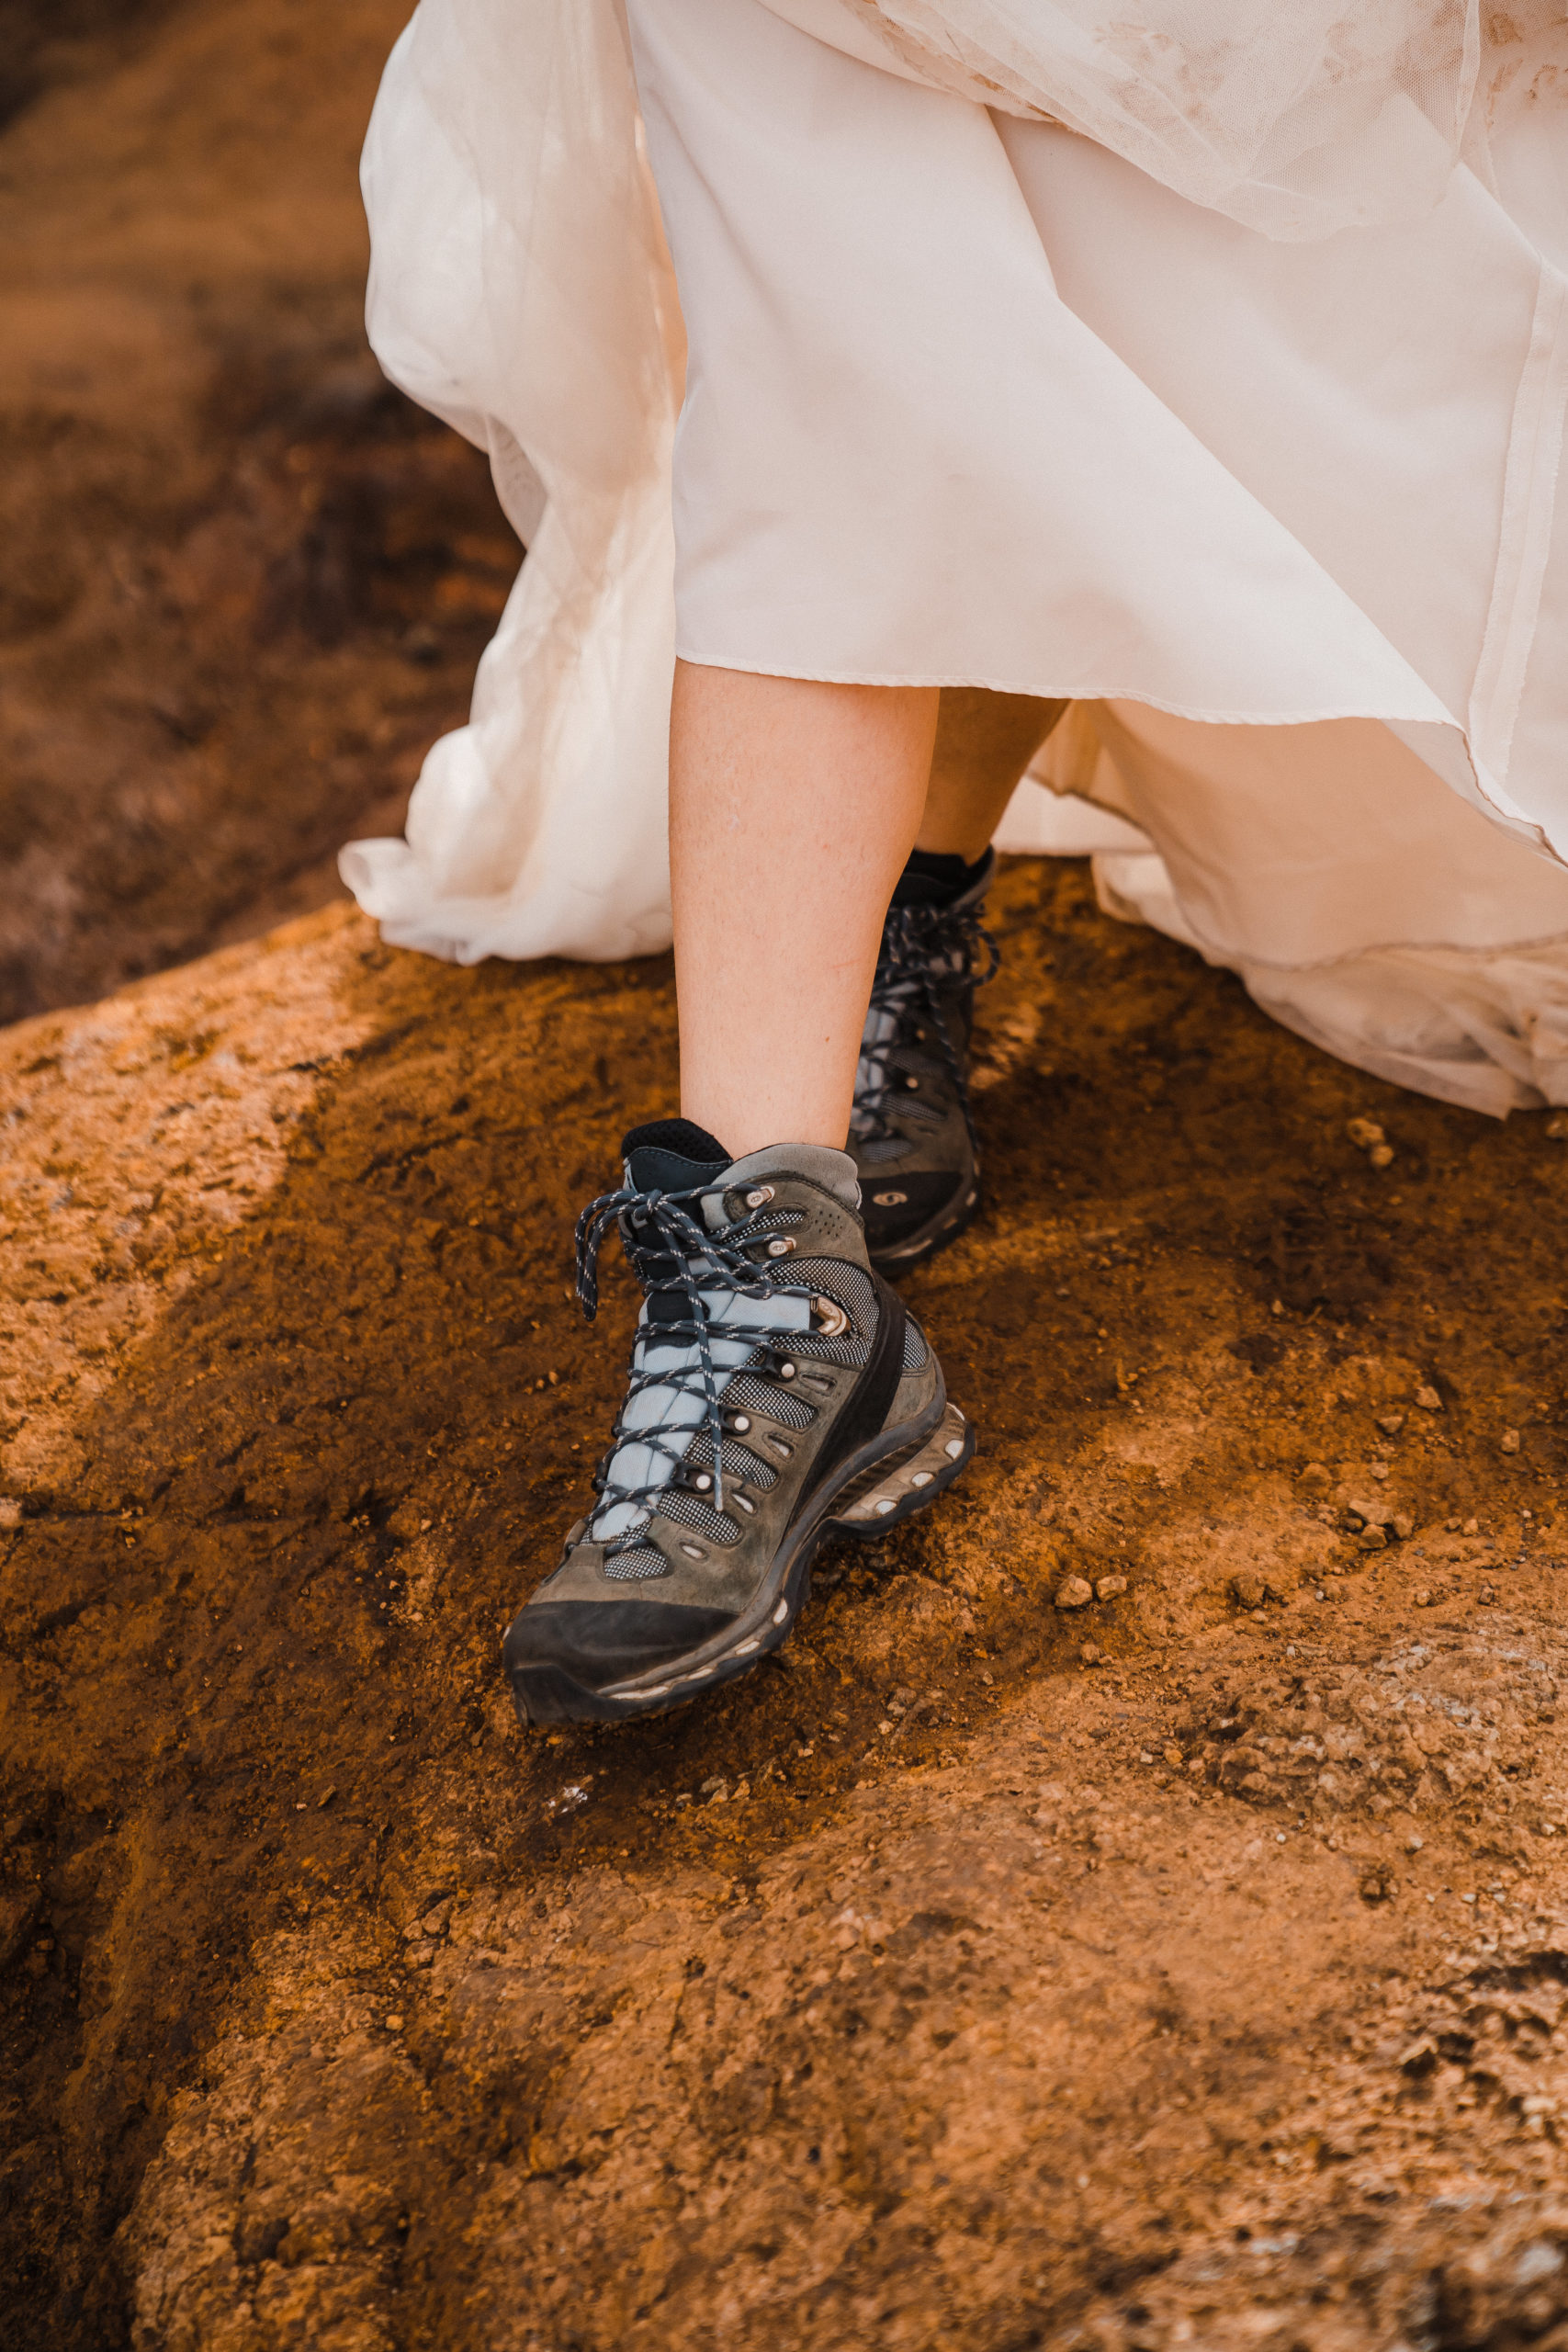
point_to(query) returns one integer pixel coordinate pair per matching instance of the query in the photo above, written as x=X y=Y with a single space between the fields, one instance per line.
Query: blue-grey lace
x=674 y=1257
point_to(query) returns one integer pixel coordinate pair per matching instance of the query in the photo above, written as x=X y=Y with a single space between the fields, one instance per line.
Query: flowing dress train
x=959 y=344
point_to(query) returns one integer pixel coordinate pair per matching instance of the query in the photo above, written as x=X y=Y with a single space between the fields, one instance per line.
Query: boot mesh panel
x=754 y=1396
x=808 y=1346
x=915 y=1348
x=641 y=1561
x=853 y=1290
x=738 y=1460
x=690 y=1510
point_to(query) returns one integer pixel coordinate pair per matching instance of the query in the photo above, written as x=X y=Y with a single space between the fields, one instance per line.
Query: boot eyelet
x=787 y=1371
x=780 y=1245
x=759 y=1196
x=832 y=1318
x=702 y=1482
x=740 y=1423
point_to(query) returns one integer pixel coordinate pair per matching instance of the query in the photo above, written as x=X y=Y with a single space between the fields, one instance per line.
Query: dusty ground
x=242 y=584
x=1188 y=1967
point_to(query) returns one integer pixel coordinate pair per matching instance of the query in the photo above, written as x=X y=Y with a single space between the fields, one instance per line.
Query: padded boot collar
x=834 y=1171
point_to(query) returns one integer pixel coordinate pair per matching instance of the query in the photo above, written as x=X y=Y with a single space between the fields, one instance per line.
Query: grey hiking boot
x=779 y=1394
x=911 y=1133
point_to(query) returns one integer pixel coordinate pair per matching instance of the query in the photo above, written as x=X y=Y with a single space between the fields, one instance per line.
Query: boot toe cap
x=596 y=1643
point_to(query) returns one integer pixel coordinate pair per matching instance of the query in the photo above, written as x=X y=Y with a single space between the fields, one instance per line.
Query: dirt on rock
x=1131 y=1915
x=243 y=583
x=1185 y=1967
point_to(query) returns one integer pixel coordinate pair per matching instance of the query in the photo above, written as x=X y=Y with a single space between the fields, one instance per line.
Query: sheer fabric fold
x=1299 y=118
x=521 y=289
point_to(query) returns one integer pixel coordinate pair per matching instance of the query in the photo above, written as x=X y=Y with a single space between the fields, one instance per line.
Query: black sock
x=935 y=878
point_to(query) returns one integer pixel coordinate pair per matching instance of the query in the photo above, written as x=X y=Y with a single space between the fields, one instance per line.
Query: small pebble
x=1391 y=1423
x=1428 y=1399
x=1173 y=1756
x=1075 y=1593
x=1110 y=1588
x=1365 y=1133
x=1372 y=1538
x=395 y=2022
x=1091 y=1653
x=1381 y=1155
x=1317 y=1474
x=1422 y=1598
x=1404 y=1526
x=10 y=1511
x=1510 y=1441
x=1486 y=1596
x=1473 y=1527
x=1144 y=1755
x=1557 y=1128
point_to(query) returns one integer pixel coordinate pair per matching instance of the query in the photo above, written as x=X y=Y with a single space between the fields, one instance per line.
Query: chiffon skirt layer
x=970 y=399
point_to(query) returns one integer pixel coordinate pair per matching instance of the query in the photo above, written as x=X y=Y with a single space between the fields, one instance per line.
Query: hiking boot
x=779 y=1395
x=911 y=1134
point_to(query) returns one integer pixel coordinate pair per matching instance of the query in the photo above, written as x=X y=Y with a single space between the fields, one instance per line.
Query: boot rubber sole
x=882 y=1484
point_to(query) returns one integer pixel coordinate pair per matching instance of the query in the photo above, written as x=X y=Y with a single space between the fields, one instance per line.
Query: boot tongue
x=672 y=1156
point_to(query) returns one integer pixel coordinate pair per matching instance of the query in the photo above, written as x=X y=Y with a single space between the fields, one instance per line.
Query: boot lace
x=924 y=950
x=697 y=1275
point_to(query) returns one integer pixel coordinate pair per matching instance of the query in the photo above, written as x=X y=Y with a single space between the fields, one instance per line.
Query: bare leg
x=793 y=806
x=984 y=742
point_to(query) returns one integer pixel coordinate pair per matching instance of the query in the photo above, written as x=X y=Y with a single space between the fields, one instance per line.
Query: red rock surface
x=1186 y=1968
x=977 y=1972
x=242 y=582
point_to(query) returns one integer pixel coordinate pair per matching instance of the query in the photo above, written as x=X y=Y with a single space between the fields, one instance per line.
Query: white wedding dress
x=1212 y=374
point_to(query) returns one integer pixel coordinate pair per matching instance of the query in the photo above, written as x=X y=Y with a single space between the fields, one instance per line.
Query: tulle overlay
x=1297 y=118
x=1214 y=376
